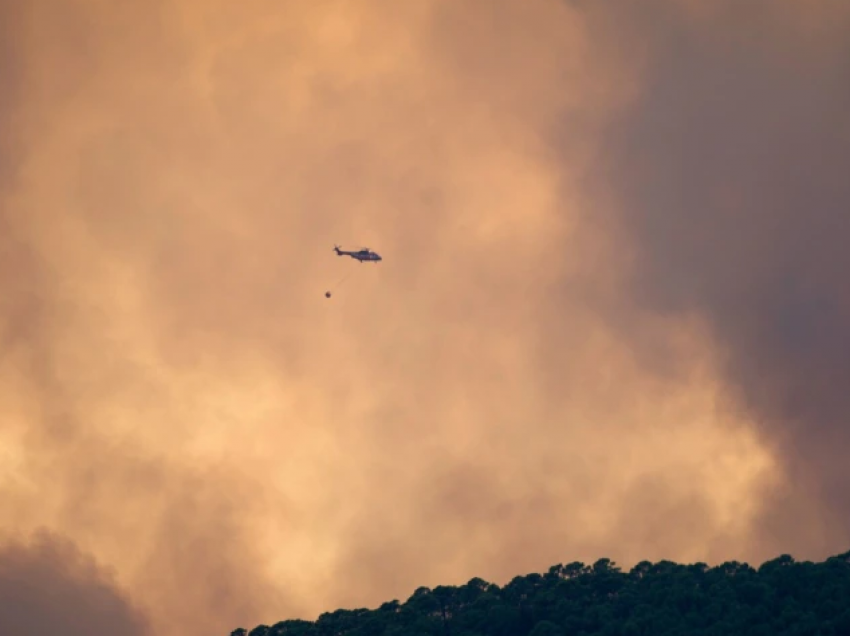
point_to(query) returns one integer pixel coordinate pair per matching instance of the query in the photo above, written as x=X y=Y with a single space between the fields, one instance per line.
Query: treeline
x=782 y=597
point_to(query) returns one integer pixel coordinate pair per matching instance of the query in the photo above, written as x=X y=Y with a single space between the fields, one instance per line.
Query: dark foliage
x=781 y=597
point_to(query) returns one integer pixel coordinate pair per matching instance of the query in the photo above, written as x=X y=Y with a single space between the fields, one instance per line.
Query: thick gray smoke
x=732 y=175
x=47 y=586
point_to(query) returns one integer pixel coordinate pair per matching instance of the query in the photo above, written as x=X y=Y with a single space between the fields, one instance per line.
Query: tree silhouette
x=782 y=597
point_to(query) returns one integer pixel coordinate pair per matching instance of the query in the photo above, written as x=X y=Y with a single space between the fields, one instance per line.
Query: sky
x=610 y=320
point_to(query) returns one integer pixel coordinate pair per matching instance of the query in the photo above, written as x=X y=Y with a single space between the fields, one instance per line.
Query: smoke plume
x=608 y=321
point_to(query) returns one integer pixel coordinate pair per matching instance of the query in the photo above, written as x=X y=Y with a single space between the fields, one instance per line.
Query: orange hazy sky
x=590 y=233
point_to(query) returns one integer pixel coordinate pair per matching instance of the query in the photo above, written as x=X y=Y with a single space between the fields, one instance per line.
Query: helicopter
x=363 y=254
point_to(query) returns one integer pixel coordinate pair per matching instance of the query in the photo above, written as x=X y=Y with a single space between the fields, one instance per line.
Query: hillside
x=782 y=596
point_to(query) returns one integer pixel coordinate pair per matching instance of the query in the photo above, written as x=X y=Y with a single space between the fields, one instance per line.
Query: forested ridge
x=782 y=596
